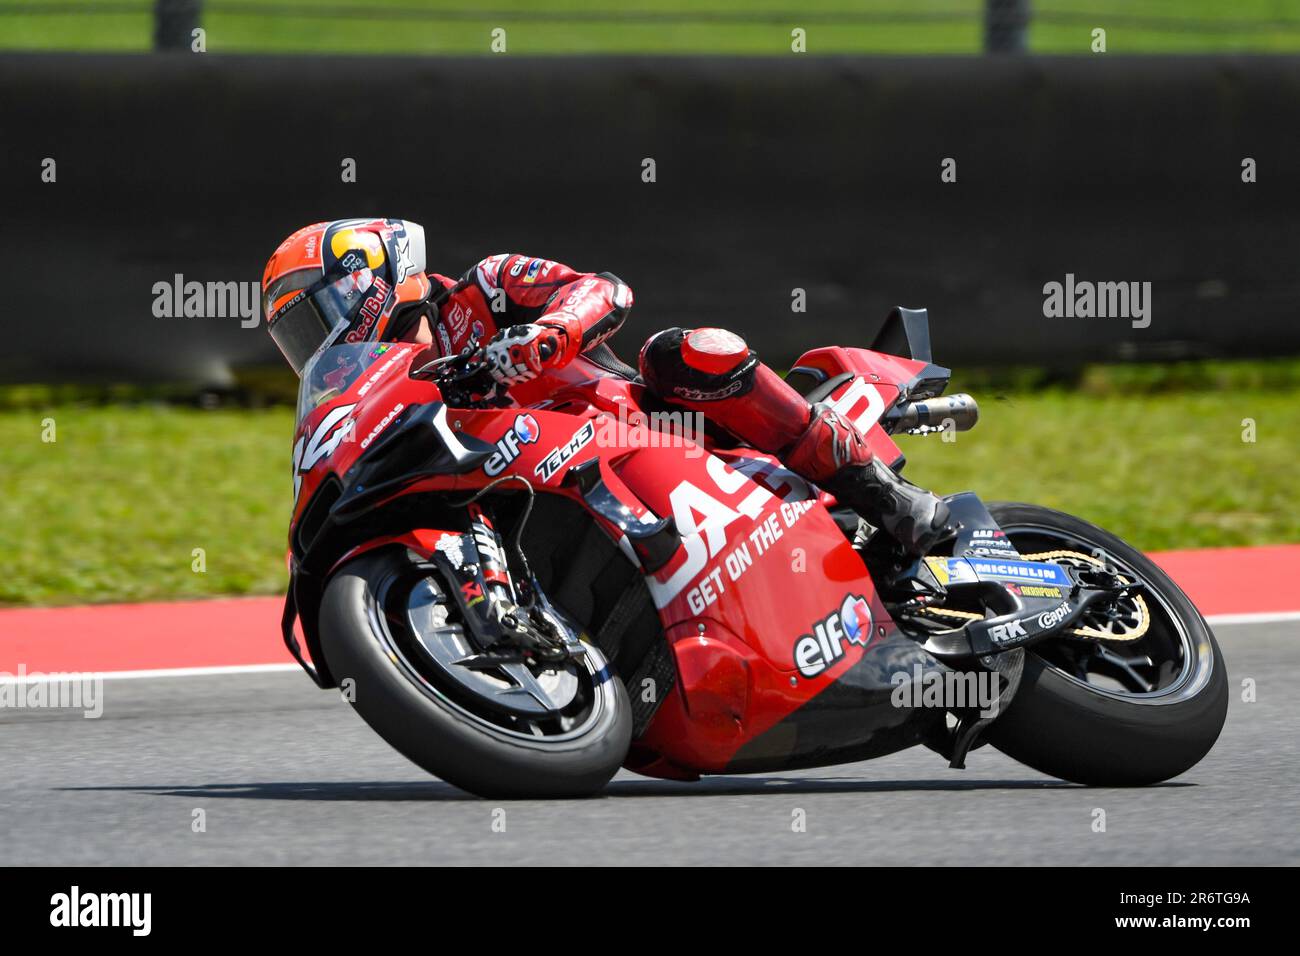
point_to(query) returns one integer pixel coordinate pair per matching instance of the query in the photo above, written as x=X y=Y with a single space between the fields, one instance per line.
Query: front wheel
x=388 y=625
x=1134 y=697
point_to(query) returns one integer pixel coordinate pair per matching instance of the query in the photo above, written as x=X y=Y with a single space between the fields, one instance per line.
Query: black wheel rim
x=1164 y=666
x=394 y=605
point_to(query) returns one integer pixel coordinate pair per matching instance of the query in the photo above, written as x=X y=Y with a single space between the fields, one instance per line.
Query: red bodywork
x=761 y=561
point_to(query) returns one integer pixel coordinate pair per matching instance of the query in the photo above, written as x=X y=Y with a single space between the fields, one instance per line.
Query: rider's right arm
x=588 y=307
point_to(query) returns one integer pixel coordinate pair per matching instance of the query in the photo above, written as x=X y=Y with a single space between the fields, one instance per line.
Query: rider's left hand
x=522 y=352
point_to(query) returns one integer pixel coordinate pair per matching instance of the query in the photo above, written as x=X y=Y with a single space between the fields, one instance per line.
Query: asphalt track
x=287 y=774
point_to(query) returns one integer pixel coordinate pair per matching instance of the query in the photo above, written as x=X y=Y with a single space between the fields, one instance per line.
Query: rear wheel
x=388 y=625
x=1134 y=696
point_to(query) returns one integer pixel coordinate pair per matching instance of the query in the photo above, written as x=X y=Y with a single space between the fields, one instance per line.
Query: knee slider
x=698 y=365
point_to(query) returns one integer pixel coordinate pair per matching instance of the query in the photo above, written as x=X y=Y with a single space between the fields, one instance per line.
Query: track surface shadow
x=436 y=790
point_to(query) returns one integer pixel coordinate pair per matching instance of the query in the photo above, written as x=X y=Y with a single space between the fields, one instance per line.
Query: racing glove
x=522 y=352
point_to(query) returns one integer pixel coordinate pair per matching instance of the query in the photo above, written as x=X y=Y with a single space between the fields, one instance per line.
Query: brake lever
x=465 y=379
x=467 y=359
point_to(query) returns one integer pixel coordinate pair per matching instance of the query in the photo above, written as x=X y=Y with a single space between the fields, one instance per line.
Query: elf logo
x=524 y=431
x=815 y=652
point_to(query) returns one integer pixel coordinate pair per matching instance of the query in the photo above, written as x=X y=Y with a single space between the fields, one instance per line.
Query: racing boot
x=714 y=372
x=834 y=454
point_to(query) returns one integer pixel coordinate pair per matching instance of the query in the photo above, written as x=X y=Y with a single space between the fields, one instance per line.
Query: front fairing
x=349 y=395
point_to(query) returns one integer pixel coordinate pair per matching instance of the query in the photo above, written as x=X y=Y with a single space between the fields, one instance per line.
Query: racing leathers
x=530 y=314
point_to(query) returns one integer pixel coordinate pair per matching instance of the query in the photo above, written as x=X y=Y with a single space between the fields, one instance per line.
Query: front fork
x=508 y=620
x=494 y=570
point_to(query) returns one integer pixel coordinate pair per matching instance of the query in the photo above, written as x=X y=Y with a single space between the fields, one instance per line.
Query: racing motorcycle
x=522 y=593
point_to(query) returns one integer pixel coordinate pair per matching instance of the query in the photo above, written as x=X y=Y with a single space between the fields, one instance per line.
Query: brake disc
x=513 y=687
x=1129 y=622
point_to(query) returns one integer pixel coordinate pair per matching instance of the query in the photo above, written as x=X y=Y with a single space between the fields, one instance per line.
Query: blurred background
x=566 y=27
x=798 y=151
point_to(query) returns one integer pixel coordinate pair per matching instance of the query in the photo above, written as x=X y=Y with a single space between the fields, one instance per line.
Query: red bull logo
x=371 y=309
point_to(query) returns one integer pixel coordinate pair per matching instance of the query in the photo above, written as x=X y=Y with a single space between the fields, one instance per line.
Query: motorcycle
x=523 y=592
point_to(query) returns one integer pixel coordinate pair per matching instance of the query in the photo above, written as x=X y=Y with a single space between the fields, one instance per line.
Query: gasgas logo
x=815 y=652
x=524 y=431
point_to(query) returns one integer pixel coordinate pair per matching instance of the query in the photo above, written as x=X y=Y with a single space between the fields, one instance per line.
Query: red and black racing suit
x=706 y=370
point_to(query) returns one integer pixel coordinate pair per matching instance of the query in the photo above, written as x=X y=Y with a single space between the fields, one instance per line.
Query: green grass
x=1161 y=471
x=665 y=26
x=113 y=509
x=115 y=506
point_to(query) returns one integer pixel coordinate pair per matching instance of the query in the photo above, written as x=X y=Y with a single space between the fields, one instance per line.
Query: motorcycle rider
x=364 y=280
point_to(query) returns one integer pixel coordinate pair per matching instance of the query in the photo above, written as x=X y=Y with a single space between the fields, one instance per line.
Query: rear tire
x=439 y=735
x=1069 y=729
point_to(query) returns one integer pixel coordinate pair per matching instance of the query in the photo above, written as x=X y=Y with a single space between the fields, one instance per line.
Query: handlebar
x=450 y=365
x=463 y=378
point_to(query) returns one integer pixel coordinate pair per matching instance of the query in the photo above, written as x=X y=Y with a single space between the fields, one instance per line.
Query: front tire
x=435 y=727
x=1062 y=724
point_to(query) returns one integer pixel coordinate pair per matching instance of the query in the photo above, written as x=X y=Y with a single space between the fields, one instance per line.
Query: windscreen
x=333 y=371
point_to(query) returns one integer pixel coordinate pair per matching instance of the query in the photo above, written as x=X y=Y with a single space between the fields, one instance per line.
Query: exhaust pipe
x=935 y=413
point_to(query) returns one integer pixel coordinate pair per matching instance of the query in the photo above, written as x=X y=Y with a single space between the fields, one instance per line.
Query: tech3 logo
x=553 y=462
x=524 y=431
x=815 y=652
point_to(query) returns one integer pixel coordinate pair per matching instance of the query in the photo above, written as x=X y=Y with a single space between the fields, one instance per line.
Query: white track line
x=161 y=672
x=1265 y=617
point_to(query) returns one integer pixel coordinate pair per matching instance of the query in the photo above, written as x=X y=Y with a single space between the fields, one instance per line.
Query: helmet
x=354 y=280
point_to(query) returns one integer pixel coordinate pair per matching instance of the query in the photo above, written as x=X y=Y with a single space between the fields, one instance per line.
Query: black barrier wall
x=770 y=176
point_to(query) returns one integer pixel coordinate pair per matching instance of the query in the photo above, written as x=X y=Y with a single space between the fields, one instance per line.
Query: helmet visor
x=314 y=319
x=300 y=331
